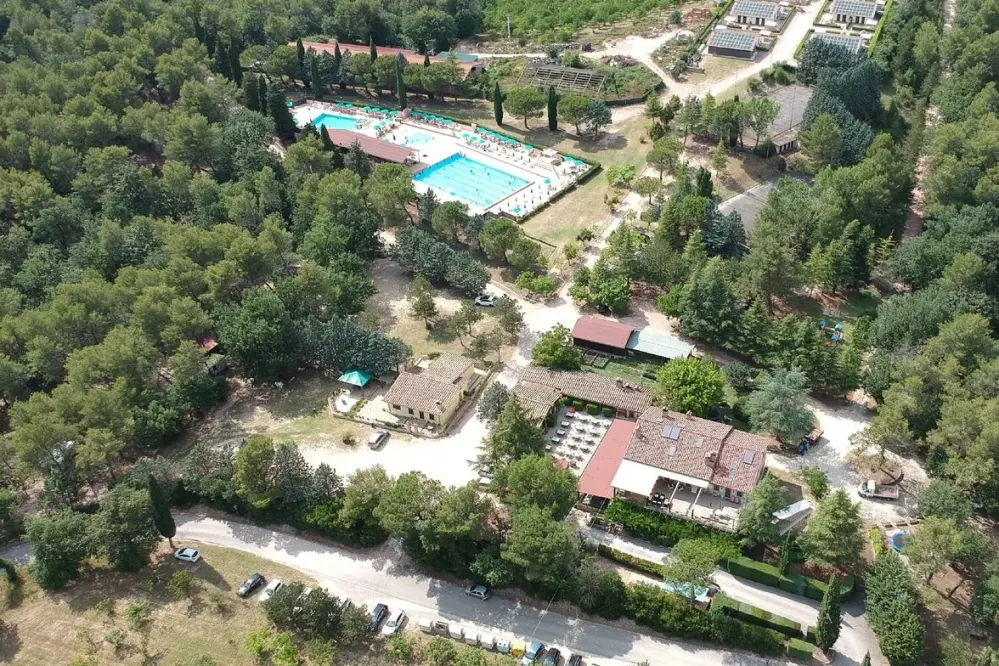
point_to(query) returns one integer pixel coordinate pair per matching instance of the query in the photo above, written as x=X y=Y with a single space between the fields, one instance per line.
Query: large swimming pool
x=335 y=121
x=476 y=183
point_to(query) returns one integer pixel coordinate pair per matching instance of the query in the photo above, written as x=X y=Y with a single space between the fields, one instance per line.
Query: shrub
x=754 y=571
x=592 y=409
x=115 y=638
x=799 y=649
x=180 y=584
x=607 y=411
x=577 y=405
x=585 y=235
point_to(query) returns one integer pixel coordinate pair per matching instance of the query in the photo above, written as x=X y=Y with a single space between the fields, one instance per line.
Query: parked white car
x=187 y=555
x=478 y=591
x=271 y=588
x=485 y=300
x=394 y=623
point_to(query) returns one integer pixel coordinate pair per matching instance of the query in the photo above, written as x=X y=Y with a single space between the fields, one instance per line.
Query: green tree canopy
x=691 y=384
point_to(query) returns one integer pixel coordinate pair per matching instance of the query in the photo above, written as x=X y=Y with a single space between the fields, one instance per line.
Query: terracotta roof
x=590 y=387
x=537 y=399
x=596 y=478
x=602 y=332
x=411 y=57
x=422 y=392
x=697 y=448
x=448 y=367
x=376 y=148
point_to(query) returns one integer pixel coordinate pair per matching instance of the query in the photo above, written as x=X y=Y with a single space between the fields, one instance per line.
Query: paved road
x=385 y=577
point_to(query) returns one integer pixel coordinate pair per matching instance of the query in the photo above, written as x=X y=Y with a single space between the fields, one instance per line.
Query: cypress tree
x=552 y=110
x=338 y=66
x=327 y=141
x=222 y=64
x=284 y=124
x=318 y=85
x=426 y=60
x=165 y=524
x=300 y=54
x=250 y=94
x=785 y=553
x=371 y=48
x=867 y=660
x=262 y=93
x=234 y=66
x=830 y=616
x=498 y=104
x=400 y=81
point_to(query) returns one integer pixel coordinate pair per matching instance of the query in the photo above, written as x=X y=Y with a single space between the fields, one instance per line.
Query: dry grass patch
x=54 y=627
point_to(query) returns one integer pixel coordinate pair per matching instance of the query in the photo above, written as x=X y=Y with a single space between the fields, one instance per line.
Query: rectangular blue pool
x=335 y=121
x=463 y=178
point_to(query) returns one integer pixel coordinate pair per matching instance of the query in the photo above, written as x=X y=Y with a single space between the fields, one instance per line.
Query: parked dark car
x=378 y=614
x=552 y=657
x=575 y=660
x=250 y=584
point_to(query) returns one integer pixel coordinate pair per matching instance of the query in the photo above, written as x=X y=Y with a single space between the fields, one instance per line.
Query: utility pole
x=508 y=34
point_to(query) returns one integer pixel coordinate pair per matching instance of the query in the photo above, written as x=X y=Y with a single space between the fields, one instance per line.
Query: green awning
x=355 y=377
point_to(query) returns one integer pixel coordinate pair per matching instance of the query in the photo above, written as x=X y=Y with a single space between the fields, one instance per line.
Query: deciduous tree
x=833 y=534
x=691 y=384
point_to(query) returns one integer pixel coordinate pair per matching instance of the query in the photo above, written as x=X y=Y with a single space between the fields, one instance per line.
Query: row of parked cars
x=388 y=623
x=530 y=654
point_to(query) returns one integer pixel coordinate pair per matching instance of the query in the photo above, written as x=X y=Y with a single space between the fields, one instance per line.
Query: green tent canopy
x=355 y=377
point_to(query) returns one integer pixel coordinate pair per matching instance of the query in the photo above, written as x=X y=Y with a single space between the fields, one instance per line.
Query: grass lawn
x=716 y=68
x=629 y=369
x=54 y=627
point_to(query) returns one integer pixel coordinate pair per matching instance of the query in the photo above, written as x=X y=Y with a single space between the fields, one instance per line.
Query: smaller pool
x=335 y=121
x=898 y=540
x=418 y=139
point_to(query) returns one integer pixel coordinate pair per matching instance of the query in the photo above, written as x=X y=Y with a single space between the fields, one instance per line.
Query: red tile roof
x=698 y=448
x=596 y=478
x=602 y=332
x=382 y=150
x=411 y=57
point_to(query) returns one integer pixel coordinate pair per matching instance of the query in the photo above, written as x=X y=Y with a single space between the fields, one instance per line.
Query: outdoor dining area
x=575 y=436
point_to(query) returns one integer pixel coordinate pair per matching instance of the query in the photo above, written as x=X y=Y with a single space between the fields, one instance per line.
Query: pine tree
x=400 y=81
x=250 y=92
x=234 y=67
x=867 y=660
x=165 y=524
x=262 y=93
x=316 y=79
x=372 y=50
x=284 y=124
x=300 y=54
x=498 y=104
x=830 y=616
x=426 y=60
x=552 y=110
x=222 y=64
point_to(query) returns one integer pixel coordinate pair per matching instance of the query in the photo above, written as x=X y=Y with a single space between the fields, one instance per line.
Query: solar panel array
x=737 y=40
x=849 y=42
x=854 y=8
x=765 y=10
x=563 y=78
x=672 y=432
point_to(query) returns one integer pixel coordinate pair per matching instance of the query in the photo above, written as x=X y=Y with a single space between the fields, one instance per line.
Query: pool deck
x=545 y=171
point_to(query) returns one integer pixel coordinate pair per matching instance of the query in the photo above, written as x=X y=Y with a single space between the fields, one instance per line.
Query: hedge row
x=671 y=614
x=766 y=574
x=630 y=561
x=660 y=529
x=757 y=616
x=799 y=649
